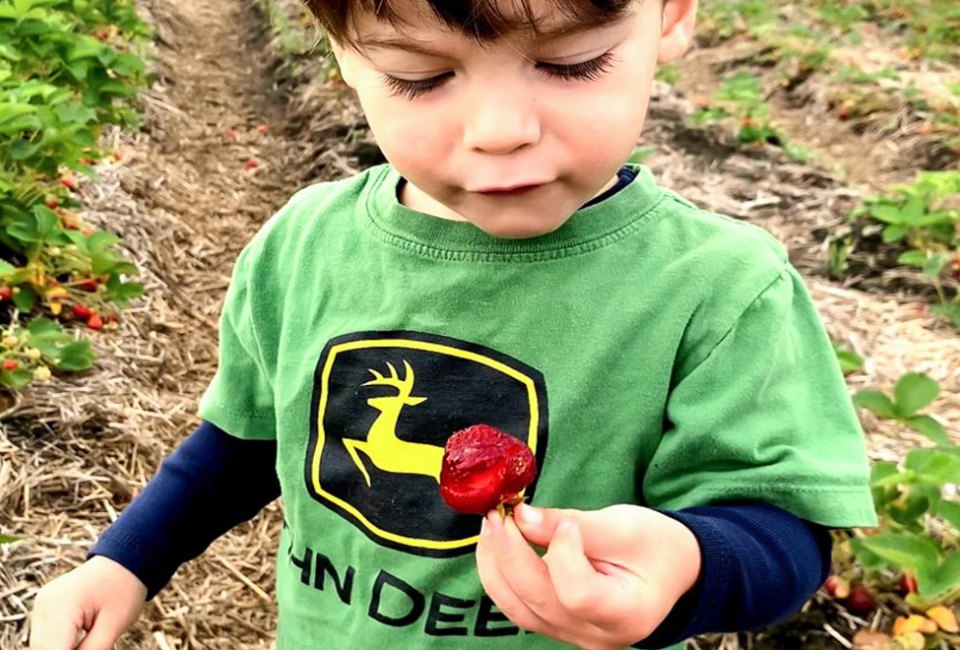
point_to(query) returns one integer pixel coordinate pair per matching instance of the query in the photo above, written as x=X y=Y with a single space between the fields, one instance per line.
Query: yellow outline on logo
x=416 y=345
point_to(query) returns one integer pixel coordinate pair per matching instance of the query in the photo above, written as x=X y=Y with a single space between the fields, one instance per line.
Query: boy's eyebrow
x=421 y=47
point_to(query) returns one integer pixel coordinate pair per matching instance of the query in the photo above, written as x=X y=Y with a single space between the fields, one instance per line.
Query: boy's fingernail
x=530 y=515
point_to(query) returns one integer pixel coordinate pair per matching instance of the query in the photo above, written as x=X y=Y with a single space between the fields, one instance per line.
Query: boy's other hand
x=608 y=579
x=95 y=602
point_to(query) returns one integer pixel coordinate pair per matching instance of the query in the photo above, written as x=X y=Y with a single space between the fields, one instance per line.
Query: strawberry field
x=142 y=144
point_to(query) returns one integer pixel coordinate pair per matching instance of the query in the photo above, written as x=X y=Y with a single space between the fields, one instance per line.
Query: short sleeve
x=766 y=416
x=239 y=399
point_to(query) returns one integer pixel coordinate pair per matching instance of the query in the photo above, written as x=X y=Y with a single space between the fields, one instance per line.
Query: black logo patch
x=384 y=404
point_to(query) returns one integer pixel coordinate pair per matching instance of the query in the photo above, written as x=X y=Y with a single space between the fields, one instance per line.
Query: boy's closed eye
x=588 y=70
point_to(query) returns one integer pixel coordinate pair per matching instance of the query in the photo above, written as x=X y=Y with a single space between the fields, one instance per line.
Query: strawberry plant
x=919 y=533
x=741 y=98
x=923 y=216
x=67 y=68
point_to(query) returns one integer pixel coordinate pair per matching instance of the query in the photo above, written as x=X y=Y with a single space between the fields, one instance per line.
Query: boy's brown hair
x=480 y=19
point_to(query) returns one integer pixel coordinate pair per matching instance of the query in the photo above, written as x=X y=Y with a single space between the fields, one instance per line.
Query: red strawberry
x=10 y=364
x=70 y=183
x=483 y=468
x=860 y=601
x=5 y=293
x=252 y=163
x=95 y=322
x=52 y=202
x=908 y=584
x=82 y=312
x=837 y=587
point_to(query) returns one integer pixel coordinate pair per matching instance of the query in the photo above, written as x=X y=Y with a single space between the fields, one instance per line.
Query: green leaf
x=940 y=468
x=9 y=539
x=951 y=311
x=943 y=579
x=935 y=264
x=907 y=477
x=874 y=400
x=913 y=391
x=43 y=327
x=888 y=214
x=893 y=233
x=25 y=298
x=15 y=379
x=76 y=356
x=123 y=293
x=904 y=550
x=927 y=426
x=950 y=511
x=849 y=360
x=912 y=258
x=870 y=560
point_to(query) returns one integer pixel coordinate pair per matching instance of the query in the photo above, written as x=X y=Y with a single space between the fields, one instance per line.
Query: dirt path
x=186 y=198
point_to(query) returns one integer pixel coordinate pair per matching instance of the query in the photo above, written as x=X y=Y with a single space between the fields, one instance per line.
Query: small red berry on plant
x=837 y=587
x=908 y=584
x=70 y=183
x=483 y=468
x=95 y=322
x=252 y=163
x=860 y=601
x=5 y=293
x=52 y=202
x=82 y=312
x=10 y=364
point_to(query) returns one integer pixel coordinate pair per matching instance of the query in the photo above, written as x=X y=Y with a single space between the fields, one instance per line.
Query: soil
x=231 y=132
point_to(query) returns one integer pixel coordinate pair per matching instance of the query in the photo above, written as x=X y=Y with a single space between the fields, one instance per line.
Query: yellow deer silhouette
x=382 y=446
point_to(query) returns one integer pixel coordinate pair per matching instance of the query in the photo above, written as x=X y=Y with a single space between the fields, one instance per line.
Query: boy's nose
x=499 y=123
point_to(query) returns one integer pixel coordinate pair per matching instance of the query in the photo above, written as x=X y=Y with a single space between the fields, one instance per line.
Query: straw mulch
x=75 y=451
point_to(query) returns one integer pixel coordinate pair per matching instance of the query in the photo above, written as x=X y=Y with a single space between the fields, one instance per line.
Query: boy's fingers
x=538 y=524
x=579 y=588
x=51 y=633
x=524 y=570
x=605 y=532
x=104 y=633
x=499 y=589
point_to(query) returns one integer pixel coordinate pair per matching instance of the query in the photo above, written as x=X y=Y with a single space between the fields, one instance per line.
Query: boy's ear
x=678 y=18
x=343 y=62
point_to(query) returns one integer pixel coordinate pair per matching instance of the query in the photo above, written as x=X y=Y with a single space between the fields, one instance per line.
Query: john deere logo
x=384 y=404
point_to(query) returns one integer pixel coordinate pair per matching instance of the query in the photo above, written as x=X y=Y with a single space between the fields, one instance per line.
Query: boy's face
x=459 y=119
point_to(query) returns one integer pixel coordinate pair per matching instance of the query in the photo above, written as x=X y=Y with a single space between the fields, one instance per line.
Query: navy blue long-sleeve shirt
x=760 y=563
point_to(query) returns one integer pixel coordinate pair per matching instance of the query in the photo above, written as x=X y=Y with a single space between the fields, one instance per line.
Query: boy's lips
x=512 y=190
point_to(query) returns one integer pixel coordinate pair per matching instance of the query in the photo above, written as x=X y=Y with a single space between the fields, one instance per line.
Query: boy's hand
x=608 y=579
x=100 y=599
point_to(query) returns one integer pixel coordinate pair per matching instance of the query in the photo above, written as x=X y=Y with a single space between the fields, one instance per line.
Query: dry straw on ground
x=75 y=451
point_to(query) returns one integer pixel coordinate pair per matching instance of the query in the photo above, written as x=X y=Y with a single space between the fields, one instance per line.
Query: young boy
x=693 y=432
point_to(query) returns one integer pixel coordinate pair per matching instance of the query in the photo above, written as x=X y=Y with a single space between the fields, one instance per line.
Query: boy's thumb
x=538 y=525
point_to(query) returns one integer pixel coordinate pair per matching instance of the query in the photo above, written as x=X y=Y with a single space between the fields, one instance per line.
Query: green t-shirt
x=647 y=351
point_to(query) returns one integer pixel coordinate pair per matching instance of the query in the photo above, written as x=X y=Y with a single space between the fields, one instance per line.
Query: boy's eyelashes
x=583 y=71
